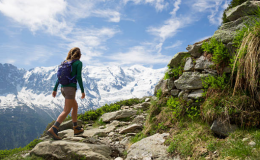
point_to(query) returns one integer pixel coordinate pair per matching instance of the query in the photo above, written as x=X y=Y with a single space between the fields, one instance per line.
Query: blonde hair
x=74 y=53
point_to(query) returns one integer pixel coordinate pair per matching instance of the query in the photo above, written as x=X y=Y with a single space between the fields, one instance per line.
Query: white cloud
x=40 y=14
x=177 y=44
x=170 y=27
x=176 y=7
x=214 y=7
x=113 y=16
x=158 y=4
x=142 y=55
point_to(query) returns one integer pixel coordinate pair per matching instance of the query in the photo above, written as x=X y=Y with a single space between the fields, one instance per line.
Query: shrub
x=218 y=50
x=159 y=93
x=215 y=82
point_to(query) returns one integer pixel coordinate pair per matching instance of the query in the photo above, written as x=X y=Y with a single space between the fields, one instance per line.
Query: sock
x=75 y=123
x=57 y=124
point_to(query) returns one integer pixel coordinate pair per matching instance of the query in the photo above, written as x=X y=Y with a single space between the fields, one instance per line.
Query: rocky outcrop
x=203 y=63
x=245 y=9
x=227 y=31
x=238 y=17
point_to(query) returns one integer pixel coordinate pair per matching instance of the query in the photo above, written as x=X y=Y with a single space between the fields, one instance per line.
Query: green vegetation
x=159 y=93
x=31 y=145
x=137 y=137
x=217 y=49
x=95 y=114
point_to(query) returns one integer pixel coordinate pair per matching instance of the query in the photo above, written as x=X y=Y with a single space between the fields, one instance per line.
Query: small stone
x=189 y=64
x=245 y=139
x=180 y=94
x=130 y=134
x=252 y=143
x=125 y=107
x=147 y=100
x=101 y=127
x=119 y=158
x=111 y=134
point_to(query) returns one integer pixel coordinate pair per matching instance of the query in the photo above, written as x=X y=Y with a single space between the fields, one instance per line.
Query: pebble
x=119 y=158
x=245 y=139
x=252 y=143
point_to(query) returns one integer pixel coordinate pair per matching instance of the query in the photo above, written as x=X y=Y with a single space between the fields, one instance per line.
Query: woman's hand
x=83 y=95
x=54 y=94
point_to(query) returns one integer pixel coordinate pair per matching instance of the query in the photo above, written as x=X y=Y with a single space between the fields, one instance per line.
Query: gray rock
x=190 y=80
x=203 y=63
x=67 y=150
x=175 y=92
x=139 y=119
x=196 y=94
x=245 y=9
x=212 y=72
x=227 y=31
x=68 y=125
x=152 y=147
x=222 y=128
x=170 y=83
x=131 y=128
x=181 y=94
x=189 y=64
x=125 y=141
x=117 y=115
x=119 y=158
x=147 y=100
x=245 y=139
x=159 y=86
x=176 y=60
x=194 y=50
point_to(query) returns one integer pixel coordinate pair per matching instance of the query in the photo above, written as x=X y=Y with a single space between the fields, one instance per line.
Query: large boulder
x=195 y=49
x=107 y=117
x=176 y=60
x=149 y=148
x=190 y=80
x=71 y=150
x=245 y=9
x=203 y=63
x=222 y=128
x=227 y=31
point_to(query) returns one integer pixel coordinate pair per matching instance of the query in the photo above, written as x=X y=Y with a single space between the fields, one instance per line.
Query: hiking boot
x=53 y=132
x=77 y=130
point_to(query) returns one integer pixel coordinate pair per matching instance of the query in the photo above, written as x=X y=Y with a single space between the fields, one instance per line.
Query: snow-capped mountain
x=102 y=85
x=26 y=104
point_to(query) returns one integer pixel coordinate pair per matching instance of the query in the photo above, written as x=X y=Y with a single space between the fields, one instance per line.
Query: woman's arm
x=56 y=86
x=79 y=79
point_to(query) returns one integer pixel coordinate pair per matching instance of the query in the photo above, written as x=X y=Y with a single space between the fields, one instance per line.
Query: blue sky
x=108 y=32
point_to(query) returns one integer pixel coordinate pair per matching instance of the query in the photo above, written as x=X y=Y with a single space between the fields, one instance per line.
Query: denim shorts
x=68 y=92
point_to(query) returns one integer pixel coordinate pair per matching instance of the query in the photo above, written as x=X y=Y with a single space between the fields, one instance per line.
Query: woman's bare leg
x=69 y=103
x=74 y=111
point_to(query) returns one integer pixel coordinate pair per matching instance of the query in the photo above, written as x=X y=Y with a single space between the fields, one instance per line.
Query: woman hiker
x=69 y=93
